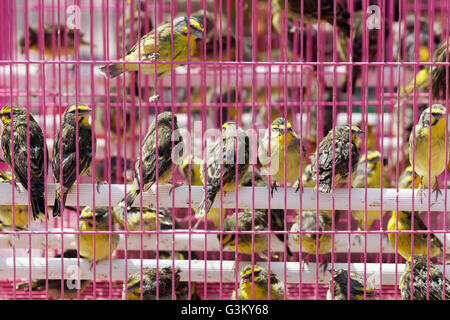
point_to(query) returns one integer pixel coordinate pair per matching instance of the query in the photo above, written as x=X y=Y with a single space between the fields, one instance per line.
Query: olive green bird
x=259 y=179
x=145 y=50
x=254 y=285
x=244 y=241
x=340 y=282
x=102 y=240
x=311 y=13
x=309 y=243
x=341 y=147
x=75 y=116
x=221 y=162
x=282 y=140
x=150 y=288
x=149 y=218
x=149 y=163
x=54 y=286
x=14 y=118
x=430 y=122
x=425 y=280
x=375 y=167
x=402 y=240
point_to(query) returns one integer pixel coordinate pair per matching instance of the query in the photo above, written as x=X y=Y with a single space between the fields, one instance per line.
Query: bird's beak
x=197 y=33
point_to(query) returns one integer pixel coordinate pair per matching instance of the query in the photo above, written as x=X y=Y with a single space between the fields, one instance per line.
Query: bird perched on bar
x=311 y=13
x=428 y=282
x=403 y=244
x=375 y=168
x=309 y=240
x=284 y=153
x=163 y=147
x=103 y=169
x=6 y=211
x=15 y=120
x=259 y=179
x=358 y=51
x=341 y=147
x=244 y=241
x=157 y=47
x=168 y=282
x=307 y=180
x=51 y=36
x=340 y=282
x=222 y=164
x=254 y=285
x=149 y=216
x=102 y=240
x=431 y=122
x=67 y=151
x=361 y=142
x=54 y=286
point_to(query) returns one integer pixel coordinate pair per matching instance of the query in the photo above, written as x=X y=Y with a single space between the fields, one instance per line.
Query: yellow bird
x=433 y=123
x=405 y=180
x=282 y=138
x=254 y=285
x=375 y=168
x=20 y=212
x=420 y=239
x=149 y=218
x=102 y=240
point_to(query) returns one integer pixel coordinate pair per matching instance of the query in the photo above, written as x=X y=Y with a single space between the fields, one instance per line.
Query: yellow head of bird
x=196 y=29
x=427 y=118
x=5 y=113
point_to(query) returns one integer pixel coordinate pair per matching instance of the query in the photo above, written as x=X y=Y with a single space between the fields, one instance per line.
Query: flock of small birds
x=281 y=155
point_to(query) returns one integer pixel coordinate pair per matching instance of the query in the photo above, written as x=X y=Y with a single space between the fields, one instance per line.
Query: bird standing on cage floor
x=244 y=242
x=254 y=285
x=311 y=13
x=340 y=281
x=428 y=282
x=309 y=242
x=149 y=287
x=15 y=118
x=282 y=139
x=74 y=116
x=341 y=146
x=221 y=162
x=149 y=159
x=54 y=286
x=375 y=167
x=432 y=123
x=52 y=33
x=402 y=240
x=157 y=47
x=102 y=241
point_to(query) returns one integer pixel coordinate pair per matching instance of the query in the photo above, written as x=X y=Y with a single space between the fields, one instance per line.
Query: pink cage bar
x=256 y=62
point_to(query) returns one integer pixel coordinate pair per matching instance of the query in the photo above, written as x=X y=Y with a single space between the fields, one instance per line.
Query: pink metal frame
x=49 y=90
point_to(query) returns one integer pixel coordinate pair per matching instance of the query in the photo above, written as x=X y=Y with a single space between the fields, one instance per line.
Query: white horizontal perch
x=197 y=269
x=197 y=242
x=182 y=199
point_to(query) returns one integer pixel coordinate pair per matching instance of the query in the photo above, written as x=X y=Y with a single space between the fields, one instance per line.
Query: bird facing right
x=149 y=164
x=431 y=122
x=257 y=288
x=428 y=282
x=341 y=147
x=67 y=151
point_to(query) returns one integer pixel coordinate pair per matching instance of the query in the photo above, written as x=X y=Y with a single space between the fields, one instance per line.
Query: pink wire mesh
x=297 y=74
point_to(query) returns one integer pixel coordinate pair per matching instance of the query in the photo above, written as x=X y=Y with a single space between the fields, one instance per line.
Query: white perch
x=182 y=198
x=198 y=270
x=182 y=239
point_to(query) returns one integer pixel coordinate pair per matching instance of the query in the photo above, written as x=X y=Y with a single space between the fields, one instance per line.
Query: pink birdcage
x=254 y=61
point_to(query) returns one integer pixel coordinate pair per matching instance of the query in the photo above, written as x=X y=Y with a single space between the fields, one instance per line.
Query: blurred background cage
x=254 y=64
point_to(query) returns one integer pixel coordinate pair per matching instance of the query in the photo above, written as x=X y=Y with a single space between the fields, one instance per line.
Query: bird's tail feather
x=37 y=206
x=113 y=71
x=131 y=197
x=207 y=203
x=57 y=209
